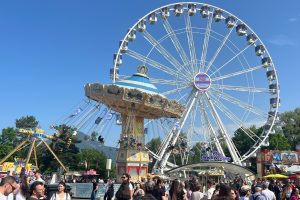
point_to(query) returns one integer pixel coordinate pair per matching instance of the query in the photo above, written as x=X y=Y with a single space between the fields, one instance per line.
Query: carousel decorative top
x=139 y=81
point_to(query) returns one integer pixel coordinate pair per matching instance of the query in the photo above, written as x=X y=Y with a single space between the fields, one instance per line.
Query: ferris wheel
x=211 y=62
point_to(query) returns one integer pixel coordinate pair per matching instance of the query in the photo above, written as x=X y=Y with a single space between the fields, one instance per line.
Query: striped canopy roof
x=138 y=81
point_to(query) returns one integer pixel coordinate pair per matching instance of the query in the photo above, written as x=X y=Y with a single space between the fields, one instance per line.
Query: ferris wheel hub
x=202 y=81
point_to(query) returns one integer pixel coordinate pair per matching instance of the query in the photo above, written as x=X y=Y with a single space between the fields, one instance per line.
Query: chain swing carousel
x=136 y=98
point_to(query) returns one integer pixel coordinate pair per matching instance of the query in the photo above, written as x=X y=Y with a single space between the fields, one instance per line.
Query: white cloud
x=283 y=40
x=293 y=19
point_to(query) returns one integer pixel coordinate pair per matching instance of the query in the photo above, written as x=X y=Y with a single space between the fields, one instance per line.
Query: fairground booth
x=274 y=161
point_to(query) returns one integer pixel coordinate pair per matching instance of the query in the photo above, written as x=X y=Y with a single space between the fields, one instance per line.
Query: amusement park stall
x=274 y=161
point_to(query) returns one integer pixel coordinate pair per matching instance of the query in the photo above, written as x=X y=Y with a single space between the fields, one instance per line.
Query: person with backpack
x=257 y=195
x=125 y=191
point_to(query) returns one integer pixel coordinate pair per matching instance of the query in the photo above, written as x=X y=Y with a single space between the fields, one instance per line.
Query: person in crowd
x=61 y=193
x=278 y=190
x=109 y=189
x=7 y=186
x=257 y=195
x=225 y=192
x=159 y=191
x=216 y=191
x=234 y=194
x=245 y=193
x=125 y=191
x=197 y=194
x=38 y=176
x=149 y=184
x=272 y=185
x=188 y=188
x=287 y=191
x=94 y=190
x=23 y=192
x=37 y=191
x=176 y=191
x=295 y=194
x=138 y=192
x=267 y=193
x=210 y=189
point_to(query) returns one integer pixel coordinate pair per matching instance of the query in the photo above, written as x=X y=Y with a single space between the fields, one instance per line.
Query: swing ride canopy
x=136 y=92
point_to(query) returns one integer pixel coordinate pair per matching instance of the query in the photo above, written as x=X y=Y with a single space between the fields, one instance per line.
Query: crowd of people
x=156 y=188
x=27 y=187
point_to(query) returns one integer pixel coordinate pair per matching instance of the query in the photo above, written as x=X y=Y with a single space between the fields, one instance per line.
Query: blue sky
x=50 y=49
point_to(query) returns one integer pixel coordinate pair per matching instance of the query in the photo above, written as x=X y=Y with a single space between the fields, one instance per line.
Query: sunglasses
x=123 y=177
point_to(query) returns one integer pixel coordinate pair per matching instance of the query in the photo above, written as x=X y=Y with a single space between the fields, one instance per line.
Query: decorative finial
x=142 y=69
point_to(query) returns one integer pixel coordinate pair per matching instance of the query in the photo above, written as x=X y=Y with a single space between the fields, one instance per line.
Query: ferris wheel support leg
x=35 y=157
x=30 y=152
x=61 y=164
x=167 y=153
x=221 y=126
x=13 y=151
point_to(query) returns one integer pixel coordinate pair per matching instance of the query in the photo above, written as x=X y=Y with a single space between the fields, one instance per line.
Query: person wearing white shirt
x=267 y=193
x=7 y=186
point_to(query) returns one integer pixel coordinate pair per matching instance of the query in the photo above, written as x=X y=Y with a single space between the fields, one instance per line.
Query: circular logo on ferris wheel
x=202 y=81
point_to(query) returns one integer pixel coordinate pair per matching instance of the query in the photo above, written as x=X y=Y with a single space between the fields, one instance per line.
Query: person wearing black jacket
x=109 y=190
x=125 y=190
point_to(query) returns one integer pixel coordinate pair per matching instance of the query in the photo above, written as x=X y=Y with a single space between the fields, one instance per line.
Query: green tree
x=242 y=141
x=279 y=142
x=153 y=145
x=291 y=126
x=195 y=157
x=28 y=122
x=94 y=160
x=8 y=141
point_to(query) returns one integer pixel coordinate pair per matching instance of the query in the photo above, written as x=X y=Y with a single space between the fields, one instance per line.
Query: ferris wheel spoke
x=167 y=82
x=176 y=90
x=156 y=65
x=211 y=62
x=176 y=43
x=235 y=119
x=174 y=134
x=238 y=73
x=214 y=137
x=205 y=42
x=164 y=52
x=231 y=147
x=239 y=53
x=241 y=104
x=191 y=43
x=241 y=88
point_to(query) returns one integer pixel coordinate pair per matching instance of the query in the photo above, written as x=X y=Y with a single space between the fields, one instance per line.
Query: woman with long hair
x=24 y=192
x=138 y=192
x=61 y=193
x=176 y=191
